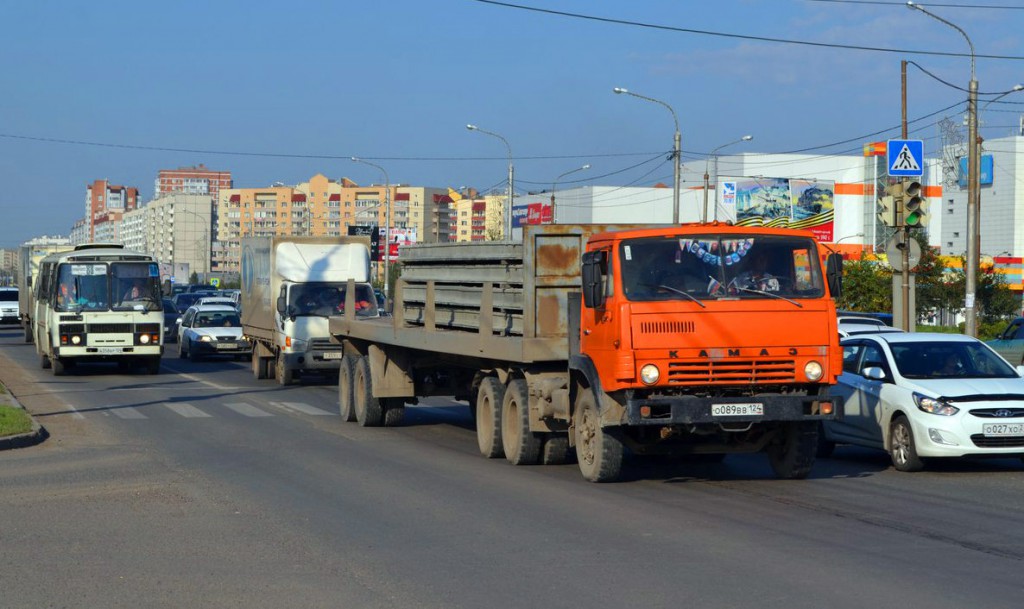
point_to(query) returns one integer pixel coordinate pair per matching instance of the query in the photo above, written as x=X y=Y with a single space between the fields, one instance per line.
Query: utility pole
x=905 y=249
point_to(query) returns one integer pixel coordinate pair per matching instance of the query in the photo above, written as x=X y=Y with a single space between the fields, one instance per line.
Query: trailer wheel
x=44 y=362
x=598 y=451
x=283 y=374
x=792 y=454
x=369 y=410
x=522 y=446
x=394 y=412
x=488 y=417
x=556 y=449
x=345 y=397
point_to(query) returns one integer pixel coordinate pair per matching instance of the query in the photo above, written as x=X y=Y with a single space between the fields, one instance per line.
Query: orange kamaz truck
x=694 y=339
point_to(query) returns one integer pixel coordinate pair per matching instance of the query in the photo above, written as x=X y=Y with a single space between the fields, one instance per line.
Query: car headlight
x=650 y=374
x=205 y=338
x=813 y=371
x=933 y=406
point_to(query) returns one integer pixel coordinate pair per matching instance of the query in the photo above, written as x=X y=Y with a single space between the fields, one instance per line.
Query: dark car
x=185 y=300
x=171 y=316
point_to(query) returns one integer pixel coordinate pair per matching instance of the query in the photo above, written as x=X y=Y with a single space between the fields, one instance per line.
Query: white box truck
x=290 y=286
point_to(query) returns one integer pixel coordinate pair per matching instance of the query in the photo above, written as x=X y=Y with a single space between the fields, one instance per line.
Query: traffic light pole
x=905 y=284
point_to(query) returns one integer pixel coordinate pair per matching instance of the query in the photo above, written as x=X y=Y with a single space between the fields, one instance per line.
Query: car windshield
x=713 y=266
x=217 y=319
x=941 y=360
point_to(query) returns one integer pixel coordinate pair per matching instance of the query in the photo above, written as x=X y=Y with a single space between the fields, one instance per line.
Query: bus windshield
x=99 y=286
x=711 y=267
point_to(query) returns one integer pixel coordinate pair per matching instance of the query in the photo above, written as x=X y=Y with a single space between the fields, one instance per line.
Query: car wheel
x=181 y=352
x=902 y=448
x=193 y=355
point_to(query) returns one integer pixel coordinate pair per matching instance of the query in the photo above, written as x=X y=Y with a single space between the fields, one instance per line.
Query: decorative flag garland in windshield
x=737 y=249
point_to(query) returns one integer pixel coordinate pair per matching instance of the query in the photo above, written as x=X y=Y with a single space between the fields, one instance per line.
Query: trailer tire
x=369 y=410
x=283 y=374
x=394 y=412
x=346 y=407
x=522 y=446
x=556 y=449
x=488 y=417
x=44 y=362
x=792 y=454
x=598 y=451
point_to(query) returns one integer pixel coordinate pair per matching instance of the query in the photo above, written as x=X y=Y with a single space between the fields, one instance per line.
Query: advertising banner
x=375 y=236
x=782 y=202
x=397 y=237
x=532 y=213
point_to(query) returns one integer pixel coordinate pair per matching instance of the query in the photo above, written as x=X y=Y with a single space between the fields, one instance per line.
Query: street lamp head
x=746 y=138
x=471 y=127
x=911 y=5
x=355 y=158
x=1018 y=87
x=620 y=90
x=587 y=166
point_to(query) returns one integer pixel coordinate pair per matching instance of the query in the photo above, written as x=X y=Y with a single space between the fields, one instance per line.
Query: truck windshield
x=327 y=299
x=713 y=266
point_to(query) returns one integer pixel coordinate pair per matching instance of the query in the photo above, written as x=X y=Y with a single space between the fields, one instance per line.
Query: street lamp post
x=676 y=140
x=973 y=187
x=554 y=216
x=507 y=228
x=745 y=138
x=387 y=220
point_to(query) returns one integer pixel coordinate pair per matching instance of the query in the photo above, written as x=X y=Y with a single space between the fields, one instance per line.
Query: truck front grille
x=325 y=344
x=745 y=372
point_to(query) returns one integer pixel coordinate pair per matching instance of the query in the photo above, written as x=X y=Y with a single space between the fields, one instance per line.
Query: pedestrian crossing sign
x=905 y=158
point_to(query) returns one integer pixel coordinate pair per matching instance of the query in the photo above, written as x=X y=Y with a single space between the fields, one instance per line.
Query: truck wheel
x=394 y=412
x=369 y=410
x=522 y=446
x=556 y=449
x=598 y=451
x=153 y=365
x=902 y=447
x=825 y=446
x=282 y=373
x=44 y=362
x=792 y=454
x=345 y=406
x=58 y=366
x=488 y=417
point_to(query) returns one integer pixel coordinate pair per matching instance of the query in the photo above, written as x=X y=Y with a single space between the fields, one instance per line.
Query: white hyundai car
x=924 y=395
x=211 y=330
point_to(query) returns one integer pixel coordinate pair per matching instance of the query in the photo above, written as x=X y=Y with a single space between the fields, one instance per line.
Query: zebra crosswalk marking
x=247 y=410
x=302 y=408
x=187 y=410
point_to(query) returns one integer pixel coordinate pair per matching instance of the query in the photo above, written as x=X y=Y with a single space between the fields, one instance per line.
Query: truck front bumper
x=313 y=360
x=685 y=410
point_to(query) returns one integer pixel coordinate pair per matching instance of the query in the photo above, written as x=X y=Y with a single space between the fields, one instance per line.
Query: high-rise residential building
x=425 y=210
x=107 y=227
x=101 y=196
x=473 y=216
x=197 y=180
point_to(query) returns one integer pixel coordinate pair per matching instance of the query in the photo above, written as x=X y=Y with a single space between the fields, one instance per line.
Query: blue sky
x=397 y=81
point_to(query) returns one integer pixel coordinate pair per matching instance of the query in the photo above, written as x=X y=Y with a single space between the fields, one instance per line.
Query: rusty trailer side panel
x=499 y=300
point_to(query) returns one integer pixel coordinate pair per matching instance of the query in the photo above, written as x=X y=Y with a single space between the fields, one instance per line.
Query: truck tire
x=792 y=454
x=522 y=446
x=369 y=410
x=283 y=374
x=488 y=417
x=259 y=365
x=598 y=451
x=44 y=362
x=394 y=412
x=345 y=400
x=825 y=446
x=556 y=449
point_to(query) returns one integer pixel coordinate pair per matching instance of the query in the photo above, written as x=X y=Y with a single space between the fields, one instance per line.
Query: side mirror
x=834 y=275
x=592 y=269
x=874 y=373
x=280 y=304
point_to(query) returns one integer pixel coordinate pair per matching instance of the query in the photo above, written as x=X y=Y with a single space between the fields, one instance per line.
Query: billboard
x=781 y=202
x=395 y=238
x=375 y=238
x=532 y=213
x=985 y=166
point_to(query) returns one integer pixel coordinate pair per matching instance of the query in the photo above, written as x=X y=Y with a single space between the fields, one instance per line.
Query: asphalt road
x=204 y=487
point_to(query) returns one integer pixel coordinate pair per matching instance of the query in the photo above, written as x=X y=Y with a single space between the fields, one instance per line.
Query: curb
x=22 y=440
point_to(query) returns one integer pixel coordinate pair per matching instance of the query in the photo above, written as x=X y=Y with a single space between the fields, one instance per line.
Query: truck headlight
x=813 y=371
x=649 y=374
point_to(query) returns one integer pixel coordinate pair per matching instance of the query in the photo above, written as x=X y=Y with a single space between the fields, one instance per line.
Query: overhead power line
x=669 y=28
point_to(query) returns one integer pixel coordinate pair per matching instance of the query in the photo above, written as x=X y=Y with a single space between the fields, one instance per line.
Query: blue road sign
x=905 y=158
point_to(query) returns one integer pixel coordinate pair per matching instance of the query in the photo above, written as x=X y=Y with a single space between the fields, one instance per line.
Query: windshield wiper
x=763 y=293
x=681 y=293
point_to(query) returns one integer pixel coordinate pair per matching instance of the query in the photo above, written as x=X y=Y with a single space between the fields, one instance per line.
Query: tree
x=193 y=278
x=867 y=286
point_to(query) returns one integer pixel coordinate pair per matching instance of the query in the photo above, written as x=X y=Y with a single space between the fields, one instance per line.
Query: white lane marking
x=301 y=408
x=187 y=410
x=202 y=381
x=127 y=413
x=248 y=410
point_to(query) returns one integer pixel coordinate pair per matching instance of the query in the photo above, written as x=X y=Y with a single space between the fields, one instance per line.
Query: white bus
x=98 y=303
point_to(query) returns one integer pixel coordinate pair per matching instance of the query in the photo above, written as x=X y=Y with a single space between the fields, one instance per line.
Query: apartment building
x=101 y=196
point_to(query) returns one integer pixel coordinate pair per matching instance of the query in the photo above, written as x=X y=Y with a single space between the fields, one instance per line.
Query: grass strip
x=14 y=421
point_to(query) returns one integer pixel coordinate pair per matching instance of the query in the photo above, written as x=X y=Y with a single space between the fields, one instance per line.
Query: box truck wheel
x=283 y=374
x=488 y=417
x=259 y=364
x=522 y=446
x=791 y=454
x=598 y=451
x=345 y=406
x=369 y=410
